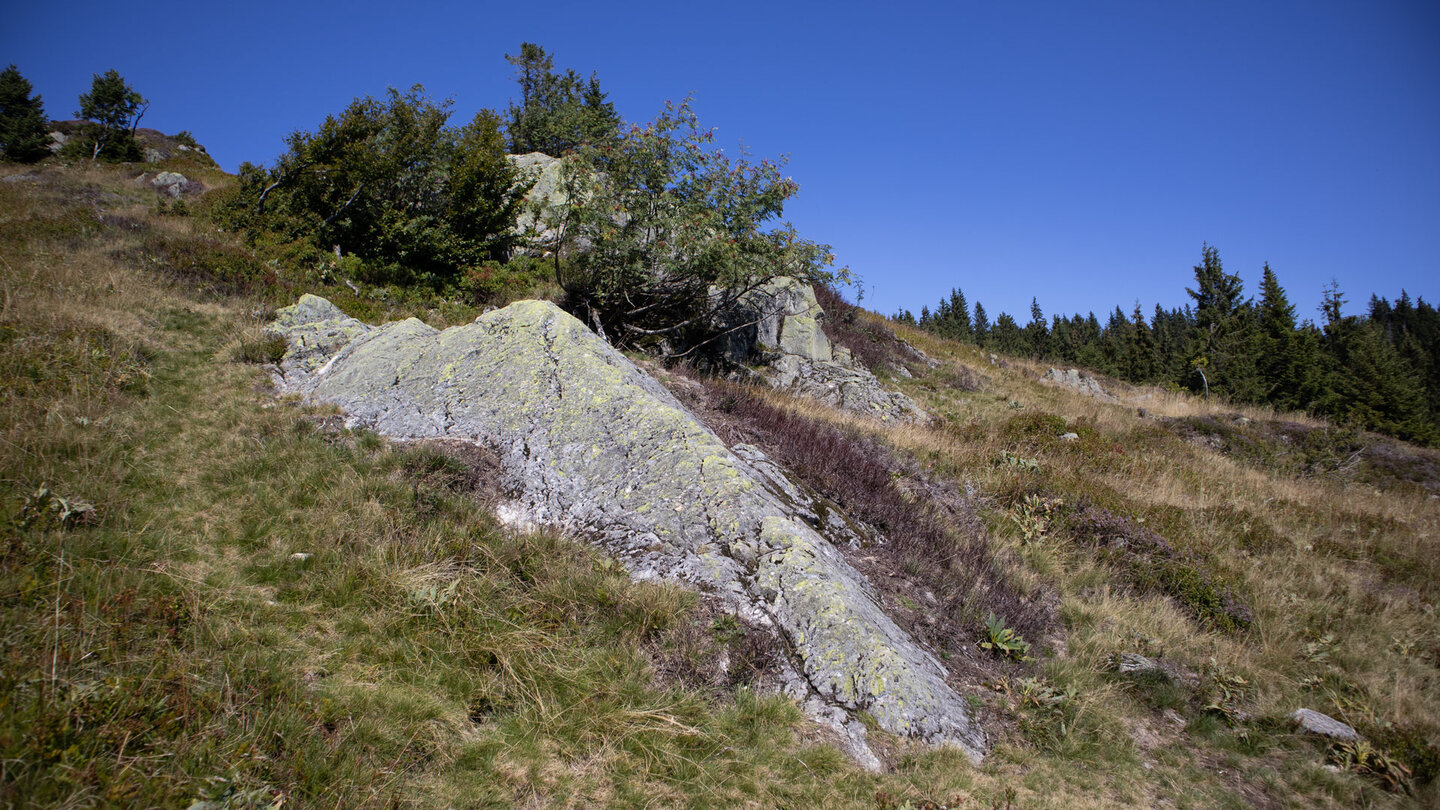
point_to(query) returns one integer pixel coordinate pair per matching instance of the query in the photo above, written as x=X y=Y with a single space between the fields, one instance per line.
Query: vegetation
x=391 y=184
x=114 y=110
x=664 y=232
x=216 y=598
x=1380 y=371
x=557 y=113
x=24 y=129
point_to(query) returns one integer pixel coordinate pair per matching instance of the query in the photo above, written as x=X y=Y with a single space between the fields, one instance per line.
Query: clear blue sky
x=1078 y=152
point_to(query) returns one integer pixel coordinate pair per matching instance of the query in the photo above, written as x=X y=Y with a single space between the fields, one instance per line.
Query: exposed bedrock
x=591 y=443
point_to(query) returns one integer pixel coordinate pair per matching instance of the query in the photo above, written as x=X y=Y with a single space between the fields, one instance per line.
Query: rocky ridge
x=590 y=443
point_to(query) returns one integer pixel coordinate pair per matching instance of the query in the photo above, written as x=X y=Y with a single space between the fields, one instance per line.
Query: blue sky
x=1078 y=152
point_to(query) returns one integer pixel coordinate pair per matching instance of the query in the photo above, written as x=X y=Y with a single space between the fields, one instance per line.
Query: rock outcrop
x=546 y=197
x=777 y=329
x=1074 y=380
x=591 y=443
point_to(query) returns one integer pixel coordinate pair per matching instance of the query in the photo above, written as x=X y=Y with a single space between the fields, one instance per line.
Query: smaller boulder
x=1324 y=725
x=172 y=183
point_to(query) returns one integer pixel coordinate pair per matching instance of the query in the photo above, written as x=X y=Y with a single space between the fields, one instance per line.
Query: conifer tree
x=1220 y=330
x=1276 y=355
x=24 y=131
x=981 y=324
x=557 y=112
x=1037 y=333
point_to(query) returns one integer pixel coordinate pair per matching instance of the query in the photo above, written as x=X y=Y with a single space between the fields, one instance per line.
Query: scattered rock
x=1069 y=437
x=1324 y=725
x=1136 y=664
x=1174 y=718
x=301 y=556
x=591 y=443
x=1076 y=381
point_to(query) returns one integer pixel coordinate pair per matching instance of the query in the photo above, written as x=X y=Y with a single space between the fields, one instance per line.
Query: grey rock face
x=590 y=442
x=545 y=199
x=1324 y=725
x=172 y=183
x=1076 y=381
x=780 y=332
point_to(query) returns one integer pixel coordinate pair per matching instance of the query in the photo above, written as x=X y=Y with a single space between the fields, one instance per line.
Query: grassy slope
x=170 y=647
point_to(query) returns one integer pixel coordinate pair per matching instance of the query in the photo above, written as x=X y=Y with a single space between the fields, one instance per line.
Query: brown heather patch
x=934 y=539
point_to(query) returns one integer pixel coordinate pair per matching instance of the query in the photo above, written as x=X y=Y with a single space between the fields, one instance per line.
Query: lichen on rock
x=777 y=329
x=590 y=442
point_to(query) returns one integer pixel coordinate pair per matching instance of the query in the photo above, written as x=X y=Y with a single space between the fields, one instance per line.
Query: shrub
x=664 y=231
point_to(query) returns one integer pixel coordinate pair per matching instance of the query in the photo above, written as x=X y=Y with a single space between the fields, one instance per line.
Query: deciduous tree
x=664 y=230
x=114 y=110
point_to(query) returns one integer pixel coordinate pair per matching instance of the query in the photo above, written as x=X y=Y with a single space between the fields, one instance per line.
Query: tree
x=1037 y=332
x=664 y=232
x=486 y=192
x=114 y=110
x=24 y=131
x=1277 y=357
x=1221 y=328
x=388 y=181
x=556 y=113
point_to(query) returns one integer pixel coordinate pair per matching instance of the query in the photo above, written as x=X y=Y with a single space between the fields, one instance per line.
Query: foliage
x=664 y=231
x=114 y=109
x=389 y=182
x=1363 y=758
x=1034 y=516
x=556 y=113
x=1004 y=640
x=24 y=130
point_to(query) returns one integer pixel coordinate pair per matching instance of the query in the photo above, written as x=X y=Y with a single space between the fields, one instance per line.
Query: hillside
x=218 y=595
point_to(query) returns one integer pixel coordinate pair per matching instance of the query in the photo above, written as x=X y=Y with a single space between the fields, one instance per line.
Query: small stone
x=1324 y=725
x=1134 y=662
x=1070 y=437
x=1174 y=718
x=300 y=556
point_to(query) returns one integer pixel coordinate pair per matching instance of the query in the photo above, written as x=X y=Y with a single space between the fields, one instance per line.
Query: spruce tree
x=981 y=324
x=1276 y=355
x=24 y=130
x=1037 y=333
x=1221 y=331
x=557 y=112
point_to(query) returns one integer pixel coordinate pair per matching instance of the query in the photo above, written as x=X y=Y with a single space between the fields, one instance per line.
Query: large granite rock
x=778 y=330
x=546 y=199
x=592 y=443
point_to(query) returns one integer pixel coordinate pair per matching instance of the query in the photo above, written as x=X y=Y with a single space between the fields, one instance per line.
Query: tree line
x=1379 y=370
